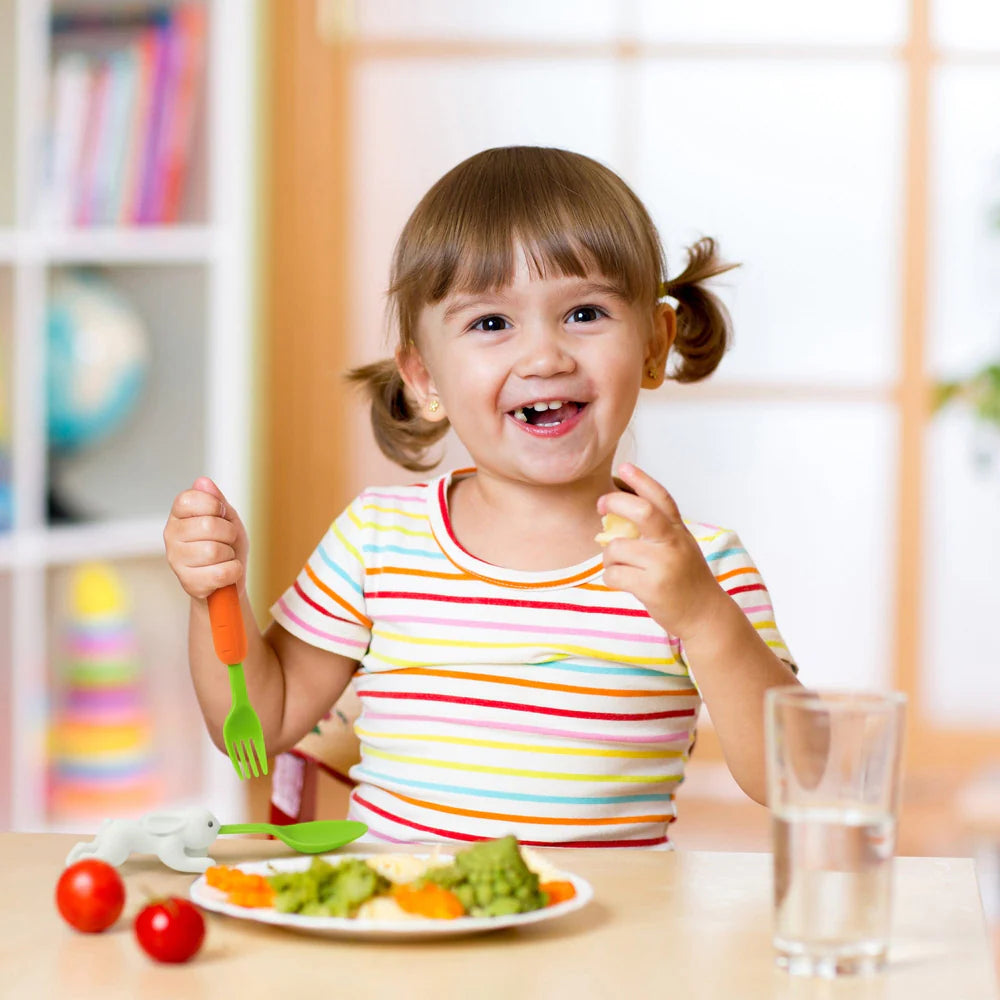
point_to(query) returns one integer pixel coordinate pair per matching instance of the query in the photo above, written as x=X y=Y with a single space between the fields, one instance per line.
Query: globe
x=97 y=362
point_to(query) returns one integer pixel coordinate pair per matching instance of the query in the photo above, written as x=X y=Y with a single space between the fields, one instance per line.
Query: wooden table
x=680 y=925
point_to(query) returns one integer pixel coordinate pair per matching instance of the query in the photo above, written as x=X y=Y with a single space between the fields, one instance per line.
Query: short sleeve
x=739 y=577
x=326 y=605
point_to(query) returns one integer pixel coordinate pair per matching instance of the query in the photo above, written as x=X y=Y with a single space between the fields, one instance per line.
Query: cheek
x=621 y=361
x=474 y=383
x=622 y=379
x=620 y=398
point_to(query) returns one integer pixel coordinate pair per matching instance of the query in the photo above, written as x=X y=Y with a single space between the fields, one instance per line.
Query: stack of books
x=125 y=90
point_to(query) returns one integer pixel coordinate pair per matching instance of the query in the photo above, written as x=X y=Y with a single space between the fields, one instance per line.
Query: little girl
x=514 y=677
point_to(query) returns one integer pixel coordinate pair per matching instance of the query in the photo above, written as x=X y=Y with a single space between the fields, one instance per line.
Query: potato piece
x=615 y=527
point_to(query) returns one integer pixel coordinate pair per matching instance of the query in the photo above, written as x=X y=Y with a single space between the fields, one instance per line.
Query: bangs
x=571 y=217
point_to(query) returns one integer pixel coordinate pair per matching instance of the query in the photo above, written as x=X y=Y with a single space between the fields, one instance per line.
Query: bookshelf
x=189 y=281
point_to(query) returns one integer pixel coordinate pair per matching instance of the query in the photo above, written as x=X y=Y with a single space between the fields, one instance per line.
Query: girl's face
x=541 y=378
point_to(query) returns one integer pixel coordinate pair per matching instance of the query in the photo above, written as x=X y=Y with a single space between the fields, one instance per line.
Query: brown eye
x=491 y=324
x=585 y=314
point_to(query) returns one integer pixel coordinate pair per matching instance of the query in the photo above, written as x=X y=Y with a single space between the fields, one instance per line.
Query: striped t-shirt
x=497 y=700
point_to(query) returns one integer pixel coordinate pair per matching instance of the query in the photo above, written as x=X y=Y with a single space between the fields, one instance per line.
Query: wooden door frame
x=306 y=346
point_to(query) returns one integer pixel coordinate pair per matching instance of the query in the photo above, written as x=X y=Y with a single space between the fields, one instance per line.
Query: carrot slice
x=241 y=888
x=428 y=900
x=558 y=892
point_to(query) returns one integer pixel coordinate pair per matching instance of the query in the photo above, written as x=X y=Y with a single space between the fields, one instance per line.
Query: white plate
x=212 y=899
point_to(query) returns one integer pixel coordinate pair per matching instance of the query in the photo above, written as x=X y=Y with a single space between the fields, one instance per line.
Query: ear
x=163 y=824
x=420 y=383
x=661 y=339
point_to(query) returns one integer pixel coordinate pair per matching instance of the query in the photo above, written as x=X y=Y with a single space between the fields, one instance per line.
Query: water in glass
x=832 y=889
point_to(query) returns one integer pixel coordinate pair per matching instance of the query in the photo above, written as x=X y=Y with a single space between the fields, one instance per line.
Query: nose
x=544 y=352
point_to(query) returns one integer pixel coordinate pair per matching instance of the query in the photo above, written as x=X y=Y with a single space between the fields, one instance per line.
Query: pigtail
x=704 y=328
x=402 y=436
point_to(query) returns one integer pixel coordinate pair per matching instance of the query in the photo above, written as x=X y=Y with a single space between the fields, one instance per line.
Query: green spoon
x=314 y=837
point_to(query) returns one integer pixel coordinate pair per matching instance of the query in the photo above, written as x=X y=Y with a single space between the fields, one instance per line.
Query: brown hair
x=572 y=216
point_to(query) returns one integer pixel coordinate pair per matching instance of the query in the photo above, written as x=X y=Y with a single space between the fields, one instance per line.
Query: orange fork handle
x=228 y=633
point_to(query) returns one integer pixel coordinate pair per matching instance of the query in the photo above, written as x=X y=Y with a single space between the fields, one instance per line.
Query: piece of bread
x=615 y=527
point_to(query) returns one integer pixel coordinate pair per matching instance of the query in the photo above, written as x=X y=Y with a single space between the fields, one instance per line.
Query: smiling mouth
x=549 y=414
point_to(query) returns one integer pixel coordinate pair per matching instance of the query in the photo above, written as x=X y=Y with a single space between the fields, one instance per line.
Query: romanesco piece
x=491 y=879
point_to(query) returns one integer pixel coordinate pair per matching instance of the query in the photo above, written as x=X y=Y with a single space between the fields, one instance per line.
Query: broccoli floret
x=326 y=890
x=491 y=879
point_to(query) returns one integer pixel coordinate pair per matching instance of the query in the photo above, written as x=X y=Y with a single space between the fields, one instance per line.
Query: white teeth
x=538 y=408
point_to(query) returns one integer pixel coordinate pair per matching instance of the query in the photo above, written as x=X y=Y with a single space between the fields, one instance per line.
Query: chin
x=550 y=473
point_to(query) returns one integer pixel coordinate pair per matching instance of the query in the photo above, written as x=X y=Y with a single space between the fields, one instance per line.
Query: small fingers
x=649 y=519
x=207 y=553
x=206 y=529
x=619 y=576
x=202 y=581
x=647 y=487
x=201 y=536
x=198 y=503
x=628 y=552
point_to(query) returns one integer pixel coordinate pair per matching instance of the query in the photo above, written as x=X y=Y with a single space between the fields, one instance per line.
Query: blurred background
x=198 y=202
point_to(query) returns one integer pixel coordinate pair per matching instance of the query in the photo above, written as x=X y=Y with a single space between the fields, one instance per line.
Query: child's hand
x=206 y=542
x=664 y=567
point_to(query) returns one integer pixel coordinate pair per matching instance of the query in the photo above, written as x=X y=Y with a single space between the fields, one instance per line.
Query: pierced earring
x=651 y=371
x=434 y=405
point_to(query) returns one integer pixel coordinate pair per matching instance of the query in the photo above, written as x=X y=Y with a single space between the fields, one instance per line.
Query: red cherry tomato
x=90 y=895
x=170 y=930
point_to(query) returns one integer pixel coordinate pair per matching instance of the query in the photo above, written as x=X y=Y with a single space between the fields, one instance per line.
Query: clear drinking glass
x=833 y=775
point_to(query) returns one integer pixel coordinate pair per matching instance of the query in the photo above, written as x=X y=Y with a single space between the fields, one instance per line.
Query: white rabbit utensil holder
x=180 y=838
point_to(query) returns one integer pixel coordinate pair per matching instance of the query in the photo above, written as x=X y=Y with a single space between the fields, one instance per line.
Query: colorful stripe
x=547 y=820
x=517 y=627
x=413 y=498
x=335 y=568
x=346 y=605
x=539 y=748
x=439 y=833
x=531 y=730
x=81 y=642
x=568 y=648
x=293 y=618
x=518 y=772
x=541 y=709
x=394 y=528
x=506 y=602
x=402 y=550
x=545 y=686
x=385 y=780
x=101 y=674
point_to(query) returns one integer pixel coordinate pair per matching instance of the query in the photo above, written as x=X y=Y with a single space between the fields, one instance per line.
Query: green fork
x=242 y=732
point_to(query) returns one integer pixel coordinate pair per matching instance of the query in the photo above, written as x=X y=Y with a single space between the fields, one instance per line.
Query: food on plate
x=240 y=887
x=426 y=899
x=614 y=526
x=90 y=895
x=400 y=868
x=491 y=878
x=558 y=891
x=385 y=909
x=325 y=890
x=545 y=871
x=170 y=930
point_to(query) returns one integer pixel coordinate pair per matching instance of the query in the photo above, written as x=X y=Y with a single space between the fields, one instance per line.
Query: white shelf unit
x=191 y=283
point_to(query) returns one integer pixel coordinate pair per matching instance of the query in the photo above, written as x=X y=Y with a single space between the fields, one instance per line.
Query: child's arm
x=666 y=570
x=291 y=684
